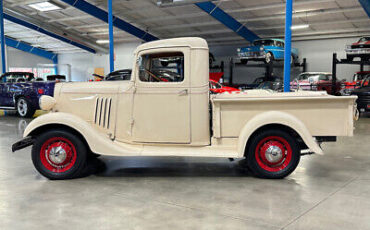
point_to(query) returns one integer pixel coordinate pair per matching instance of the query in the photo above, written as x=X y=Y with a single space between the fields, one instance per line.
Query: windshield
x=366 y=82
x=364 y=39
x=314 y=77
x=267 y=42
x=270 y=85
x=360 y=76
x=16 y=77
x=214 y=85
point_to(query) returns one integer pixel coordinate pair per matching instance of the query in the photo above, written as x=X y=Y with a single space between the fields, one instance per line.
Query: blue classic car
x=20 y=91
x=266 y=50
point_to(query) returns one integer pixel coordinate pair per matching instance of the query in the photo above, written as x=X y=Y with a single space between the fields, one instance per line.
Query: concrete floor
x=325 y=192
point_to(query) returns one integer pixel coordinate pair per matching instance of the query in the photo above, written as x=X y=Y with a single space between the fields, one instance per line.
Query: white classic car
x=152 y=115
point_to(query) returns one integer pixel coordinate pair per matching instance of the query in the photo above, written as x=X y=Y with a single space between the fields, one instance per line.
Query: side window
x=162 y=67
x=324 y=77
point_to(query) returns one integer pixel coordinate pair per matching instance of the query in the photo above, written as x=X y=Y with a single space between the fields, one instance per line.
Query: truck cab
x=167 y=110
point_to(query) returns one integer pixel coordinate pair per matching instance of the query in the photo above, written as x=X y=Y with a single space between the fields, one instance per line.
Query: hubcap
x=274 y=154
x=268 y=57
x=22 y=107
x=58 y=154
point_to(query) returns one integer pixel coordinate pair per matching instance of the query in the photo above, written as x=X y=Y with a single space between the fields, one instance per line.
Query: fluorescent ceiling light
x=45 y=6
x=302 y=26
x=102 y=41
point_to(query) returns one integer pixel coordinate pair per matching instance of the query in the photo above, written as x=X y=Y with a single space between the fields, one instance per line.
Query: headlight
x=47 y=102
x=261 y=48
x=238 y=50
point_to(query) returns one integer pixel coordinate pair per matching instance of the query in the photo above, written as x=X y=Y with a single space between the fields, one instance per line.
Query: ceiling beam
x=238 y=10
x=366 y=5
x=21 y=14
x=31 y=49
x=222 y=31
x=308 y=13
x=117 y=22
x=43 y=31
x=227 y=20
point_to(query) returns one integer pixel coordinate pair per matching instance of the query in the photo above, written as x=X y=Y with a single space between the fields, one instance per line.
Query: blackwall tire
x=24 y=108
x=273 y=154
x=59 y=154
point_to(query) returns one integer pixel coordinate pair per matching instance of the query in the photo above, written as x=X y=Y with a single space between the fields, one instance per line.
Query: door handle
x=183 y=92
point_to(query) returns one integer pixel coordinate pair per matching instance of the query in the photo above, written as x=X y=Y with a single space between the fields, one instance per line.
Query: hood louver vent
x=102 y=112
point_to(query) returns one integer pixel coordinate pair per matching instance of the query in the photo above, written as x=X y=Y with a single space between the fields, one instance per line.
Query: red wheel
x=59 y=154
x=273 y=154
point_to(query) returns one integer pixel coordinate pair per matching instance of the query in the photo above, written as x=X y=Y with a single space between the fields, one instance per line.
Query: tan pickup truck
x=167 y=110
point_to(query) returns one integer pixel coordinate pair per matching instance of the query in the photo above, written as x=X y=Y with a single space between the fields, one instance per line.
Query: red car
x=216 y=87
x=359 y=49
x=356 y=80
x=316 y=81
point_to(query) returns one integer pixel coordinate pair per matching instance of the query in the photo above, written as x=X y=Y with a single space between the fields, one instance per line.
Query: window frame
x=186 y=56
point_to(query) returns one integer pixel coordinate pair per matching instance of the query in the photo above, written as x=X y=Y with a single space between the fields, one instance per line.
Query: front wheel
x=273 y=154
x=59 y=154
x=25 y=108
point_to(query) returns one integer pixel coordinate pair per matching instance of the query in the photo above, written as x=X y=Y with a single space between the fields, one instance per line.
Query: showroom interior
x=185 y=114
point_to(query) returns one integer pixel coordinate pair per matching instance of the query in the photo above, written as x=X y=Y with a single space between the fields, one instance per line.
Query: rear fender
x=280 y=118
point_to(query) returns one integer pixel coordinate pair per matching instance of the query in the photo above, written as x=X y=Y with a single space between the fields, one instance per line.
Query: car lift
x=268 y=67
x=336 y=62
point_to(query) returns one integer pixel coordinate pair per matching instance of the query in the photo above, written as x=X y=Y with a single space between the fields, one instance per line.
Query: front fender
x=276 y=117
x=97 y=141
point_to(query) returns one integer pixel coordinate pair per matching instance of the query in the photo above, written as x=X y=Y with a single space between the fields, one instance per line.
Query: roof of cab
x=192 y=42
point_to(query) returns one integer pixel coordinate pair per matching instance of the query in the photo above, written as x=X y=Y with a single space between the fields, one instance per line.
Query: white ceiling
x=266 y=18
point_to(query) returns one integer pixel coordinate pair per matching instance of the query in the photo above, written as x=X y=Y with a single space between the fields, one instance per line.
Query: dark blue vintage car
x=20 y=91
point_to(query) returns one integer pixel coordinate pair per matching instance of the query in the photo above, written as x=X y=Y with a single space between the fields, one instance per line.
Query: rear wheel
x=273 y=154
x=59 y=154
x=25 y=108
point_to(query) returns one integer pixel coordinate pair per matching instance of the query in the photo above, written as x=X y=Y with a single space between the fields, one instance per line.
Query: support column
x=288 y=44
x=2 y=38
x=111 y=38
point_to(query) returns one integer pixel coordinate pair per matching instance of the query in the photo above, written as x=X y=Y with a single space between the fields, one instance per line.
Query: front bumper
x=358 y=51
x=252 y=55
x=25 y=142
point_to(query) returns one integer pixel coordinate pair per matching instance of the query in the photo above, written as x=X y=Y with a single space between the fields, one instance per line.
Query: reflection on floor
x=325 y=192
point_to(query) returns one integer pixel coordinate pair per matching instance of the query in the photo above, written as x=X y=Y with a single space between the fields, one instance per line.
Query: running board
x=7 y=108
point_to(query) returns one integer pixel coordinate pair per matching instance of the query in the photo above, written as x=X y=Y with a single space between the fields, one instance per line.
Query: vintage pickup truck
x=145 y=116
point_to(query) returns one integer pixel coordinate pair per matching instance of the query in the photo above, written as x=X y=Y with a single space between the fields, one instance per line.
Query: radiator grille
x=103 y=112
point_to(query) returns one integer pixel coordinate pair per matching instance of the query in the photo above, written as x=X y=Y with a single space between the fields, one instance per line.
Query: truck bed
x=322 y=114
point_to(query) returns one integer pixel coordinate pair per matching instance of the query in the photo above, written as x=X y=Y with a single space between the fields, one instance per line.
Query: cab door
x=161 y=109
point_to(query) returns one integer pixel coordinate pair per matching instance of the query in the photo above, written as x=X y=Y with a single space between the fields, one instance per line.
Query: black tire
x=74 y=168
x=244 y=61
x=284 y=166
x=24 y=108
